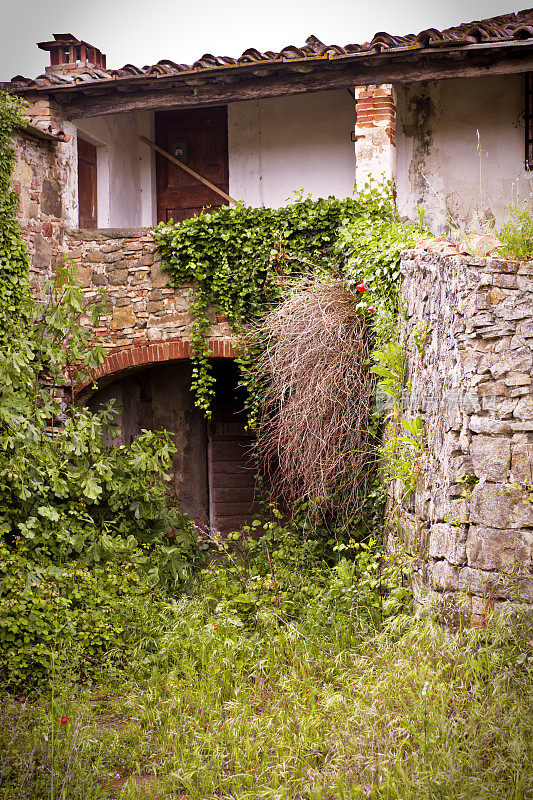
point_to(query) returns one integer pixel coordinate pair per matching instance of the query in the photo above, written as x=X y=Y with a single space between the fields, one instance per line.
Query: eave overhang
x=220 y=85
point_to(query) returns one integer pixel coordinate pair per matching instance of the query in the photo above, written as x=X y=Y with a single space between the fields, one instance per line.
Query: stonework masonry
x=122 y=268
x=469 y=523
x=39 y=177
x=45 y=178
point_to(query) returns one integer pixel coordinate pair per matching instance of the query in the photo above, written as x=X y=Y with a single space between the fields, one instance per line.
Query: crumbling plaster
x=375 y=144
x=460 y=150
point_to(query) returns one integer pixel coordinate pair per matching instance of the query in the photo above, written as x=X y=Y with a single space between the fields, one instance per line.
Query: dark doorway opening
x=199 y=138
x=213 y=473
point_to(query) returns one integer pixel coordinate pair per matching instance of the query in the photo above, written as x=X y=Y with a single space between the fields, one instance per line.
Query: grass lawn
x=320 y=709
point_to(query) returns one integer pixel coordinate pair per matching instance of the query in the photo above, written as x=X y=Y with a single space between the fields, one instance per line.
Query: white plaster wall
x=460 y=150
x=68 y=158
x=125 y=168
x=284 y=144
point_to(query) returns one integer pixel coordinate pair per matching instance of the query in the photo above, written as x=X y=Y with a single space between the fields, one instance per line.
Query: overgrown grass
x=328 y=707
x=516 y=232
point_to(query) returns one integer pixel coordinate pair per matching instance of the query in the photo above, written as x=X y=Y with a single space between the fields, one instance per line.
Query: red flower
x=361 y=287
x=64 y=720
x=371 y=309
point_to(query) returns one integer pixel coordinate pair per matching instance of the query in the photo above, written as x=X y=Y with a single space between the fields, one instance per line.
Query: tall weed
x=219 y=710
x=516 y=232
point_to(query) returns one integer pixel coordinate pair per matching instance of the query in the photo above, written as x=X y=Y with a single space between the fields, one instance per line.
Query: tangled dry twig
x=313 y=435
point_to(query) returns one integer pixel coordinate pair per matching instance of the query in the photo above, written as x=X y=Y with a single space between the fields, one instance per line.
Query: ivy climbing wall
x=469 y=344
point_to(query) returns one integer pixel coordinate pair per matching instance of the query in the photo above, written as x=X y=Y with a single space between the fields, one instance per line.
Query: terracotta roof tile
x=504 y=28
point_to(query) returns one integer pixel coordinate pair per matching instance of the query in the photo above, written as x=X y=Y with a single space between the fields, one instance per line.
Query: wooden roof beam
x=422 y=65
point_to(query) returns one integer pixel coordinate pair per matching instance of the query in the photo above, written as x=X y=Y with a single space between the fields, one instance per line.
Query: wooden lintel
x=418 y=65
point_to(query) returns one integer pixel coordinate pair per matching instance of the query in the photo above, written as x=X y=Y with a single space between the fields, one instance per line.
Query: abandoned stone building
x=447 y=115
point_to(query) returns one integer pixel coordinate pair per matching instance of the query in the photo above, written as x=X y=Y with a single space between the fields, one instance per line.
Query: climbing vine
x=14 y=260
x=242 y=260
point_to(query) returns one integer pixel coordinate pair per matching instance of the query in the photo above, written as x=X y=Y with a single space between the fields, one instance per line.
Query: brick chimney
x=68 y=53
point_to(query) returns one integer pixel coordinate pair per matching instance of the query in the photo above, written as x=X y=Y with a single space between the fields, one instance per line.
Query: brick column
x=375 y=146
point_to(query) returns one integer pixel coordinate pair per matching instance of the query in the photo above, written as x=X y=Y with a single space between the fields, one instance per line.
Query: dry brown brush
x=313 y=438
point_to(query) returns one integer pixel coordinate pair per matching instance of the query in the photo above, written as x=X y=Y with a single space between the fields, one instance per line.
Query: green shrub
x=290 y=571
x=78 y=517
x=371 y=582
x=67 y=621
x=85 y=530
x=65 y=493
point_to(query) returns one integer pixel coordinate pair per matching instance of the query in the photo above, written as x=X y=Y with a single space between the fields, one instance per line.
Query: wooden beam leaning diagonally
x=187 y=169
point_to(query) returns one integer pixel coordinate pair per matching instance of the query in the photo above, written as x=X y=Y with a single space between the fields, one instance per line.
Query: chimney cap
x=61 y=53
x=58 y=40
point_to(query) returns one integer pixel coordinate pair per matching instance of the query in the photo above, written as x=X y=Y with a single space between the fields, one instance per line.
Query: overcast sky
x=144 y=31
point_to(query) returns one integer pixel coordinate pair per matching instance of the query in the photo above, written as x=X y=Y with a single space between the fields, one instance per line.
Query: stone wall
x=470 y=521
x=38 y=177
x=45 y=178
x=124 y=266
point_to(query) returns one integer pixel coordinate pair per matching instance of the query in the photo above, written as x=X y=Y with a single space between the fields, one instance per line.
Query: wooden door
x=199 y=137
x=230 y=466
x=231 y=475
x=87 y=184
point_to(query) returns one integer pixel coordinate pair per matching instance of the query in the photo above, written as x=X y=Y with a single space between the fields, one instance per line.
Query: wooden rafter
x=217 y=89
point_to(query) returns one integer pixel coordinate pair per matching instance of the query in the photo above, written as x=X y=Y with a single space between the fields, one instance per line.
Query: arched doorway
x=213 y=472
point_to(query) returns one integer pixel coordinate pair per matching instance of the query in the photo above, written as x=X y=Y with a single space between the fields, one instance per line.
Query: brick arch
x=126 y=359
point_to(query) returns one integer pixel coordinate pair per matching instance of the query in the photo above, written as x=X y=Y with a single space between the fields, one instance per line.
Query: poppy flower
x=361 y=287
x=371 y=309
x=64 y=720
